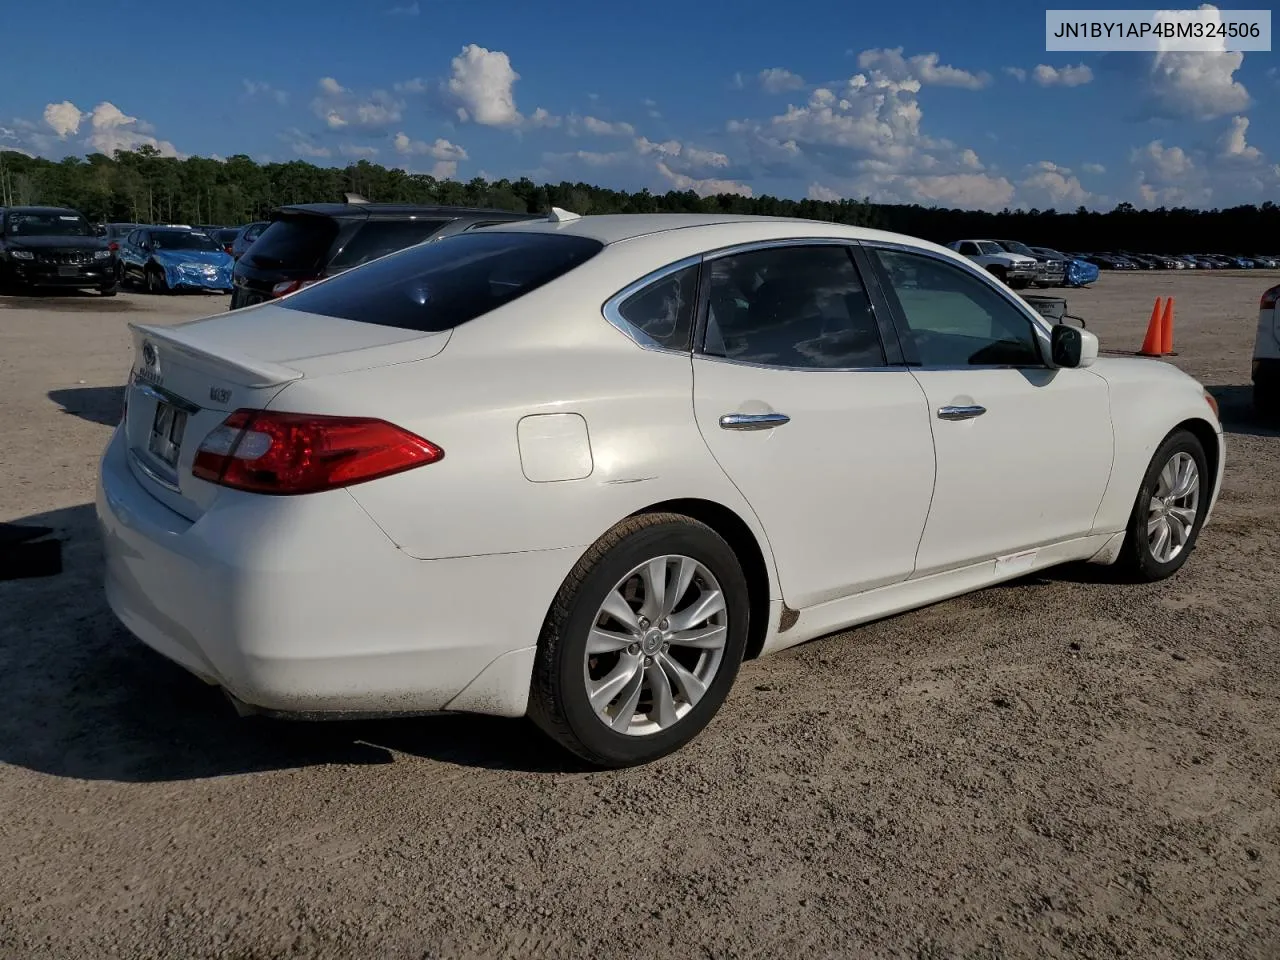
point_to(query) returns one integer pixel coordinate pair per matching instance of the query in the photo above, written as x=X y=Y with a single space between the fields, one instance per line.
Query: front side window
x=791 y=306
x=662 y=313
x=956 y=319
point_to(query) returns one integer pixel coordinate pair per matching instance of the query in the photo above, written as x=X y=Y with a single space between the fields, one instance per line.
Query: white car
x=579 y=468
x=1266 y=356
x=1016 y=269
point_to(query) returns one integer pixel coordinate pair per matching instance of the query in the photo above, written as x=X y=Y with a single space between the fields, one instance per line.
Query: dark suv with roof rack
x=53 y=247
x=307 y=242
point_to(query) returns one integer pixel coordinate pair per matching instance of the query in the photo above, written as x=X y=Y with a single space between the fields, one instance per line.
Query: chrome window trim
x=1040 y=326
x=612 y=308
x=753 y=245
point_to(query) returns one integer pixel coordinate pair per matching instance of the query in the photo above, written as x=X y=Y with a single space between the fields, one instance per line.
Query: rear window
x=440 y=285
x=377 y=238
x=294 y=243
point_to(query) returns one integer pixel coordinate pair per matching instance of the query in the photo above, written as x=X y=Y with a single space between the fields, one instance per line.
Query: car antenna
x=558 y=215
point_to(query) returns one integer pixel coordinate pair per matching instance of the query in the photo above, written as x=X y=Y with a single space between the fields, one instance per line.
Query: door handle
x=961 y=412
x=753 y=421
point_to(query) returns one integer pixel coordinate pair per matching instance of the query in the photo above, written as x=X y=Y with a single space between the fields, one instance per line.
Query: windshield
x=1050 y=252
x=181 y=240
x=989 y=247
x=47 y=225
x=442 y=284
x=1013 y=246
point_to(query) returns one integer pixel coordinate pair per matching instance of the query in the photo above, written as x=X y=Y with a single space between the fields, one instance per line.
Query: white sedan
x=579 y=469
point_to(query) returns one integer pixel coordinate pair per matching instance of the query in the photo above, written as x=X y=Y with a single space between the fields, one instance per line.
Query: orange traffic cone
x=1155 y=333
x=1166 y=329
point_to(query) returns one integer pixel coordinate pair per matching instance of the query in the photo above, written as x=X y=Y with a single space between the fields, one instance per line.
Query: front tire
x=109 y=291
x=156 y=282
x=1168 y=512
x=642 y=642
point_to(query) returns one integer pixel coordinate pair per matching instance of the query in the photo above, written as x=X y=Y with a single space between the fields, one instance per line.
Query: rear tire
x=667 y=690
x=110 y=291
x=998 y=273
x=1171 y=503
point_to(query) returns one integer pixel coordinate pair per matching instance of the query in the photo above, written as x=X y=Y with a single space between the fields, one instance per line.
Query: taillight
x=1212 y=401
x=289 y=453
x=113 y=246
x=1268 y=301
x=286 y=287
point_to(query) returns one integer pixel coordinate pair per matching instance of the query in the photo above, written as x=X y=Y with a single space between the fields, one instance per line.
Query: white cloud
x=541 y=118
x=704 y=158
x=357 y=150
x=668 y=148
x=652 y=107
x=483 y=85
x=63 y=118
x=112 y=130
x=923 y=67
x=303 y=144
x=1017 y=73
x=1093 y=168
x=442 y=149
x=408 y=10
x=444 y=169
x=1168 y=164
x=1052 y=186
x=736 y=82
x=818 y=192
x=416 y=85
x=605 y=129
x=692 y=157
x=969 y=160
x=1232 y=145
x=255 y=88
x=1070 y=76
x=591 y=158
x=703 y=188
x=1197 y=85
x=778 y=80
x=340 y=107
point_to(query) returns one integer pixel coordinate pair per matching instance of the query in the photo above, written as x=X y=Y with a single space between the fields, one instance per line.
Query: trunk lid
x=186 y=378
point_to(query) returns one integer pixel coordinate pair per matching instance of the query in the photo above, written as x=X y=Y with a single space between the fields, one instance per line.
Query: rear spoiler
x=247 y=371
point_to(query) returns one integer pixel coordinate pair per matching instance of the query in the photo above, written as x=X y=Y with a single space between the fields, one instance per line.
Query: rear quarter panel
x=1149 y=399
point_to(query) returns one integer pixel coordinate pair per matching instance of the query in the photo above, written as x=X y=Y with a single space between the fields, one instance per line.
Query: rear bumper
x=301 y=605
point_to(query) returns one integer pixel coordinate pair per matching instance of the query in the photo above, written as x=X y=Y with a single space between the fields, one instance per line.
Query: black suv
x=53 y=247
x=307 y=242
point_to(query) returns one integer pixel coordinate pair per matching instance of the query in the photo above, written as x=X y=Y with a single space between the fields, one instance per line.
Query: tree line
x=144 y=187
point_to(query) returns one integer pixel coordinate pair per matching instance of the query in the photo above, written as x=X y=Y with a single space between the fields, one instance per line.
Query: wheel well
x=739 y=536
x=1203 y=431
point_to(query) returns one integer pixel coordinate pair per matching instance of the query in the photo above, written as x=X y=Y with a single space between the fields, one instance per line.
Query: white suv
x=1015 y=269
x=1266 y=356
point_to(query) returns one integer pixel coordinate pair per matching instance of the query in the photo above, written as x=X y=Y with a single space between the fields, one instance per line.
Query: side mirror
x=1072 y=346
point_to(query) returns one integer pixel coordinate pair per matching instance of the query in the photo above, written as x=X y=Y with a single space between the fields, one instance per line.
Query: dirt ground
x=1060 y=767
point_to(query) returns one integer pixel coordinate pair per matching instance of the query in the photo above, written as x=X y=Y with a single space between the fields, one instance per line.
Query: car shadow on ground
x=84 y=699
x=1235 y=409
x=96 y=404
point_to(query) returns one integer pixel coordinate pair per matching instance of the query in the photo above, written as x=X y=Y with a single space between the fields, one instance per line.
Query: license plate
x=166 y=433
x=68 y=271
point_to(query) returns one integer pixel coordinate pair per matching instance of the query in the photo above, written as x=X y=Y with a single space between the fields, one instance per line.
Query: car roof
x=367 y=211
x=618 y=227
x=61 y=211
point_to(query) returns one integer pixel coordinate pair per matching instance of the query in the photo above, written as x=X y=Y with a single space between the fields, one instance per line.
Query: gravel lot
x=1060 y=767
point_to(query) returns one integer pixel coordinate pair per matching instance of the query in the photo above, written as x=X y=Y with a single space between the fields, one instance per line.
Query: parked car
x=1266 y=356
x=1018 y=270
x=1075 y=271
x=515 y=471
x=165 y=259
x=1051 y=272
x=114 y=233
x=245 y=236
x=53 y=247
x=308 y=242
x=224 y=237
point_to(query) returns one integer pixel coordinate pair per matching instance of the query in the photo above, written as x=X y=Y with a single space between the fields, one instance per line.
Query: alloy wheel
x=656 y=644
x=1171 y=512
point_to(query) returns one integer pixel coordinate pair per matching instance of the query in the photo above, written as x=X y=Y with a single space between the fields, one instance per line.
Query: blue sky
x=955 y=104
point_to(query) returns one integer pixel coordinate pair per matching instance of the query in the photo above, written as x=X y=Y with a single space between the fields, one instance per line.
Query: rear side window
x=663 y=311
x=294 y=243
x=377 y=238
x=441 y=285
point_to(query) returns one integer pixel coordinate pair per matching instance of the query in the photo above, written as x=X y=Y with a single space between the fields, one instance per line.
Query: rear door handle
x=753 y=421
x=961 y=412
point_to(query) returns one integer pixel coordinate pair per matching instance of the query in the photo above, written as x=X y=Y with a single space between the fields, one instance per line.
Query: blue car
x=164 y=259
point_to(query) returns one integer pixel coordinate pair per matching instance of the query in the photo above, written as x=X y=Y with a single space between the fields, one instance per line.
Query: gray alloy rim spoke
x=656 y=645
x=1173 y=508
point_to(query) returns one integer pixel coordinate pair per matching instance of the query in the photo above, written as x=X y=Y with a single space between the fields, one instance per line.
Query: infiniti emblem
x=149 y=354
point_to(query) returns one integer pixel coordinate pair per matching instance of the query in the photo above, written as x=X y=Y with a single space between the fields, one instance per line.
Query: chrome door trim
x=753 y=421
